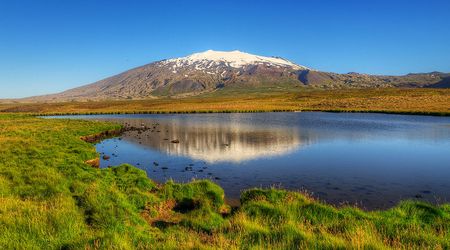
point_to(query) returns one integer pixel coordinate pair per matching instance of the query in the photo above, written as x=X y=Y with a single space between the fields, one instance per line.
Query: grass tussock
x=51 y=199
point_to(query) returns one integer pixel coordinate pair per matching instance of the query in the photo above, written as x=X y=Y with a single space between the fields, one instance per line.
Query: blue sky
x=49 y=46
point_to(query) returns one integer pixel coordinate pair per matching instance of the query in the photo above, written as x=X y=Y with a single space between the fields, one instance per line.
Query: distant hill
x=212 y=70
x=443 y=83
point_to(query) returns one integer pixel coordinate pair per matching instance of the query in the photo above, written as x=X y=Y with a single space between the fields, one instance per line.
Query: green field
x=51 y=199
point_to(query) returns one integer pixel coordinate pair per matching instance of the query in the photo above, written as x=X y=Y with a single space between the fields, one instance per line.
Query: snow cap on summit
x=235 y=59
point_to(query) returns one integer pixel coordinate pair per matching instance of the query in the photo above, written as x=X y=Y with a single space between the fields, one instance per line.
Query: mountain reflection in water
x=216 y=142
x=372 y=160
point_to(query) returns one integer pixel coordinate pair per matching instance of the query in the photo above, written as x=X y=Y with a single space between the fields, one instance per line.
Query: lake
x=369 y=160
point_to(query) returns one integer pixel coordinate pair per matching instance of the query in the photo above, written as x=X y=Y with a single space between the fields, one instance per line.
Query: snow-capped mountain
x=212 y=60
x=214 y=70
x=190 y=75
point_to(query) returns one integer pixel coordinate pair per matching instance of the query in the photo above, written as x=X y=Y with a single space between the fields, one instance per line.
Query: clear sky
x=48 y=46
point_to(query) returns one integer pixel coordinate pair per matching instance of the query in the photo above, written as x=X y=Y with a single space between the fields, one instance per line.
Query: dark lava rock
x=418 y=196
x=164 y=168
x=155 y=163
x=217 y=178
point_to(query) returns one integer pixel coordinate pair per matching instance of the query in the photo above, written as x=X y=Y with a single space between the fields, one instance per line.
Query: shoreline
x=418 y=113
x=430 y=102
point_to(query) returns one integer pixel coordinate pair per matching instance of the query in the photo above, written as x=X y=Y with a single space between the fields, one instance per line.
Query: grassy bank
x=51 y=199
x=399 y=101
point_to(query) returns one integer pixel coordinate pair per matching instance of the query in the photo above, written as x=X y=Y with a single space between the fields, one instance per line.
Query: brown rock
x=93 y=163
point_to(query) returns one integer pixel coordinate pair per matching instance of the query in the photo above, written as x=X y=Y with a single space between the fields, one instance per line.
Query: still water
x=371 y=160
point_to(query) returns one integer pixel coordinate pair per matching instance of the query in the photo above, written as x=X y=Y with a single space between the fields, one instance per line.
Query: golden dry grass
x=416 y=101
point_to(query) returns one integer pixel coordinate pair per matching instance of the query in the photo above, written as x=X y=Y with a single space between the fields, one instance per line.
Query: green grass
x=51 y=199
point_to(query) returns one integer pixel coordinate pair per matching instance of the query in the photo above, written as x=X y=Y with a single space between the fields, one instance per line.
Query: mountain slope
x=212 y=70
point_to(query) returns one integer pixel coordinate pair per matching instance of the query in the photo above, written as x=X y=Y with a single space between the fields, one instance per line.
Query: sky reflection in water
x=373 y=160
